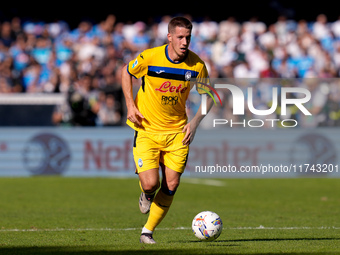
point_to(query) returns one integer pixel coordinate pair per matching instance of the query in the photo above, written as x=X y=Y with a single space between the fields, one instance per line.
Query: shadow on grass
x=264 y=240
x=110 y=250
x=280 y=239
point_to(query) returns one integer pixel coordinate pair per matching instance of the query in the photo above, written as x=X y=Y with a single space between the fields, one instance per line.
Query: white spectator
x=335 y=27
x=320 y=27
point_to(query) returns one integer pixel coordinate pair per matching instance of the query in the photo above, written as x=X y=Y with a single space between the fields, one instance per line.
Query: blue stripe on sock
x=168 y=192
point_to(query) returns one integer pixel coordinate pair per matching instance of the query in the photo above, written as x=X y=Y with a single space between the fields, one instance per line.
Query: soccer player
x=158 y=116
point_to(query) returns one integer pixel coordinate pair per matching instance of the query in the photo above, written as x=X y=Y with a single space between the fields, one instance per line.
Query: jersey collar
x=167 y=56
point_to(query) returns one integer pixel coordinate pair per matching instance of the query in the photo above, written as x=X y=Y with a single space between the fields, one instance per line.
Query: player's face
x=179 y=40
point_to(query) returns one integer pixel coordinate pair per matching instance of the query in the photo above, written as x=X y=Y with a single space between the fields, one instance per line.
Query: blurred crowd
x=85 y=63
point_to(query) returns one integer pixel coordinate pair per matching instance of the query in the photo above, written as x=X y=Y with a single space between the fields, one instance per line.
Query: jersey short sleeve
x=203 y=81
x=138 y=67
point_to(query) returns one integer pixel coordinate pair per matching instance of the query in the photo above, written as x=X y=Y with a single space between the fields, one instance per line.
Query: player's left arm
x=190 y=128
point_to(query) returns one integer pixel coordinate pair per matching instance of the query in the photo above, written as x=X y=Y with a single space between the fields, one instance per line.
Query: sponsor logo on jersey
x=135 y=63
x=167 y=87
x=169 y=100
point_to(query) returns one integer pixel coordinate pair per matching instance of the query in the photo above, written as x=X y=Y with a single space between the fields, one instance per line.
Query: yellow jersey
x=165 y=88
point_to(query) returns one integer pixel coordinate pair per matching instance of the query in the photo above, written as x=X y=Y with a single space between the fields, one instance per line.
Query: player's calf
x=146 y=198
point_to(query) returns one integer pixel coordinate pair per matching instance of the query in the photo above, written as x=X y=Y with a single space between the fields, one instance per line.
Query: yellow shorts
x=150 y=149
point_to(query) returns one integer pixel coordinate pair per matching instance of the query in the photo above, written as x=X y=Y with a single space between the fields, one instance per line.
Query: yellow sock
x=159 y=207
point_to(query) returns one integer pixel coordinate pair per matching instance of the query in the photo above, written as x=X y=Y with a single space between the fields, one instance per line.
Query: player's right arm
x=136 y=68
x=133 y=114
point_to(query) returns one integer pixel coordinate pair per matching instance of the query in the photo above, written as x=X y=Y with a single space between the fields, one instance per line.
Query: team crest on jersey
x=135 y=63
x=187 y=75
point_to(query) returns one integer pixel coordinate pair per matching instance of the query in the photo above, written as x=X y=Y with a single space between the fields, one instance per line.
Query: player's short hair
x=179 y=22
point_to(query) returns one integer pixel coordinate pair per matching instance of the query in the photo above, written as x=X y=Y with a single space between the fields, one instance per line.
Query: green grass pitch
x=54 y=215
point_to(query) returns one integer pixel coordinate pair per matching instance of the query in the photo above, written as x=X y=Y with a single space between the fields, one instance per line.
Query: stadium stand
x=83 y=64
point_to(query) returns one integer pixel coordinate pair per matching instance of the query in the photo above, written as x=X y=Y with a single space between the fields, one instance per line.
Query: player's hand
x=134 y=115
x=190 y=131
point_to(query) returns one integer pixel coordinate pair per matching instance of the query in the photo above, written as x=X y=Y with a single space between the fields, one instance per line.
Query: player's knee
x=172 y=185
x=150 y=187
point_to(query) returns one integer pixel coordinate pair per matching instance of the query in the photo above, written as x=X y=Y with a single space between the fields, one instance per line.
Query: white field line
x=167 y=229
x=207 y=182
